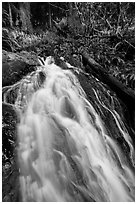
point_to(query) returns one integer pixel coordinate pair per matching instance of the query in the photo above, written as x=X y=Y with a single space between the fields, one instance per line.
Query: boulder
x=17 y=65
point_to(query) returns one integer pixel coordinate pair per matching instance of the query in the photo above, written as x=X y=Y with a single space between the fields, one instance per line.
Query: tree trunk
x=50 y=17
x=10 y=16
x=25 y=16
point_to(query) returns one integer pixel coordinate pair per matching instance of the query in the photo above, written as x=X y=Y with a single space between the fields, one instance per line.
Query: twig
x=10 y=105
x=79 y=13
x=117 y=45
x=105 y=19
x=129 y=43
x=58 y=7
x=117 y=31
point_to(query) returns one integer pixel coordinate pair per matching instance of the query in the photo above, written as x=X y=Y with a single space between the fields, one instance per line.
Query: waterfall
x=65 y=152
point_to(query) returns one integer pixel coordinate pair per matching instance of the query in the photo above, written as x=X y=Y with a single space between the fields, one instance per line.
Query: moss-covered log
x=126 y=95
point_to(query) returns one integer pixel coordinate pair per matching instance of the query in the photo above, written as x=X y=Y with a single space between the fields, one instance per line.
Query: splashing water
x=65 y=152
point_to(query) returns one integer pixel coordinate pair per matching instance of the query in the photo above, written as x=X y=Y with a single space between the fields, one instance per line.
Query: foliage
x=110 y=36
x=105 y=30
x=5 y=18
x=6 y=42
x=9 y=41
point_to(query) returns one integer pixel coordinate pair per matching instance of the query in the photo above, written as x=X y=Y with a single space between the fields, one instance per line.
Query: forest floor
x=120 y=62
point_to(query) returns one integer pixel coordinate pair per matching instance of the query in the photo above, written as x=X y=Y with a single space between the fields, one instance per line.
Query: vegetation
x=106 y=31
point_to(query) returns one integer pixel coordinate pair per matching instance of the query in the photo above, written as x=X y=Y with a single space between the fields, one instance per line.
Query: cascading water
x=65 y=152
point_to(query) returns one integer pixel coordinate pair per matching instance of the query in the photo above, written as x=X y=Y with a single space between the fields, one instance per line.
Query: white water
x=65 y=153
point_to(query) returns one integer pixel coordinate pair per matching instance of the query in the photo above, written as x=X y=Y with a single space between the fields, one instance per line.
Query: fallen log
x=126 y=95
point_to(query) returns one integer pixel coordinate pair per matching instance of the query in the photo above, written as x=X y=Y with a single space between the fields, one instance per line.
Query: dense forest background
x=106 y=31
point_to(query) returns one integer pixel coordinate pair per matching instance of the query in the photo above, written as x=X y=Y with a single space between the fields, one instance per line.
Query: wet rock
x=9 y=121
x=10 y=184
x=10 y=171
x=17 y=65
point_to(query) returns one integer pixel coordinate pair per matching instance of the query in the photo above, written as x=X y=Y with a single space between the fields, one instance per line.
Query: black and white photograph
x=68 y=101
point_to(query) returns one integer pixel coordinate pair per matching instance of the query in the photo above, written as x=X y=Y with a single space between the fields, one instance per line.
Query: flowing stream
x=65 y=152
